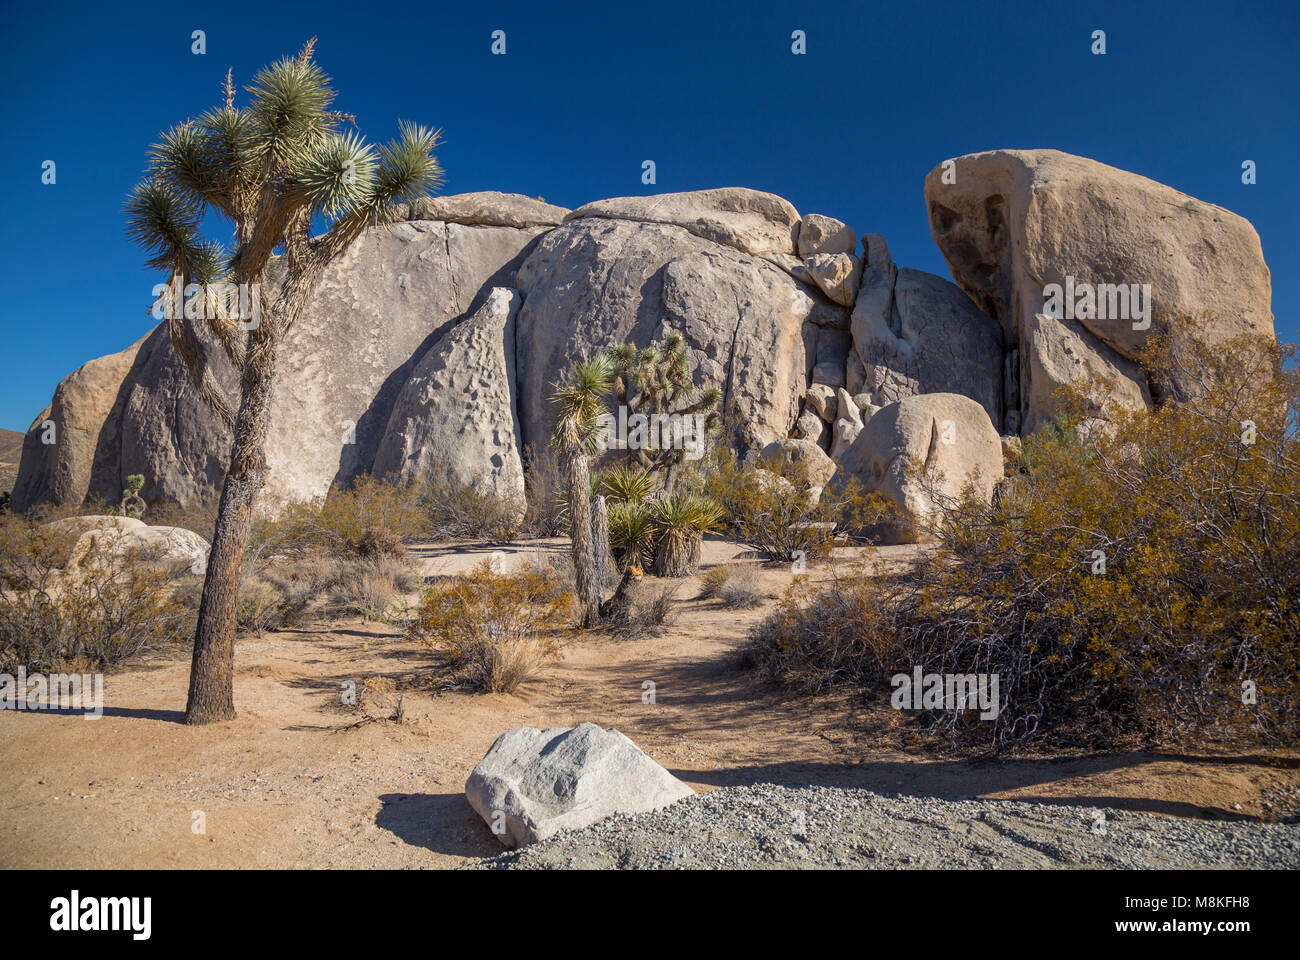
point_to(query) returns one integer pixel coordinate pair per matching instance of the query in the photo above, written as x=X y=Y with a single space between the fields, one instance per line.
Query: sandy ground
x=295 y=782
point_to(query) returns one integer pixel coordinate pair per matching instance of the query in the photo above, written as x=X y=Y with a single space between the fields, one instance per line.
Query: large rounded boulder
x=1011 y=223
x=925 y=453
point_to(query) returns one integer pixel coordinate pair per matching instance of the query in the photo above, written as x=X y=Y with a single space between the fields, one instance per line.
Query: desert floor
x=296 y=781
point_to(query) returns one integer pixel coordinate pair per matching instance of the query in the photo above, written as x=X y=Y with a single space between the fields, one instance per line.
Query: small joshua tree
x=657 y=380
x=578 y=433
x=269 y=168
x=132 y=504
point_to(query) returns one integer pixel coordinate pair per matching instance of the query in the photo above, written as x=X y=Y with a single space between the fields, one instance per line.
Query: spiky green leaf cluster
x=579 y=403
x=625 y=482
x=259 y=164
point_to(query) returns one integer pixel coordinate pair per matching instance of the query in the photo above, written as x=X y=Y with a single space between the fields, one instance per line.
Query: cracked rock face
x=595 y=280
x=925 y=336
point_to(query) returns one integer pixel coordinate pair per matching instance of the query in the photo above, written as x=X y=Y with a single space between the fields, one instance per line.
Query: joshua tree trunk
x=603 y=562
x=211 y=695
x=578 y=476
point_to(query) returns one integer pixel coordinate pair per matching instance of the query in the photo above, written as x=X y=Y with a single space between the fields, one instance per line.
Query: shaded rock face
x=86 y=407
x=925 y=336
x=534 y=783
x=166 y=432
x=1058 y=353
x=922 y=451
x=456 y=410
x=1015 y=221
x=375 y=314
x=595 y=280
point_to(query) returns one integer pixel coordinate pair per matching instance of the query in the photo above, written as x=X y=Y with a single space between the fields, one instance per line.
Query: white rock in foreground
x=534 y=783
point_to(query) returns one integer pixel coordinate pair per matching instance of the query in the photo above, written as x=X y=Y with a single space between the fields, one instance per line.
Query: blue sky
x=585 y=93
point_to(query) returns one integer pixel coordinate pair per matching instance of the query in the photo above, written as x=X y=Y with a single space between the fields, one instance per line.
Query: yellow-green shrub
x=494 y=630
x=1137 y=578
x=768 y=506
x=98 y=615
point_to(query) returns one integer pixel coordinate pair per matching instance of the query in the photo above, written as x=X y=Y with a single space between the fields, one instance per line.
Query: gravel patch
x=810 y=827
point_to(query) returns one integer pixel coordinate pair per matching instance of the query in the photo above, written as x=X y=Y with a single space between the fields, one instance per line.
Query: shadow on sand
x=442 y=822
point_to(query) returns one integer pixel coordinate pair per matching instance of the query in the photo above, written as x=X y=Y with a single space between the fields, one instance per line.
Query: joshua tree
x=657 y=380
x=578 y=433
x=269 y=168
x=132 y=503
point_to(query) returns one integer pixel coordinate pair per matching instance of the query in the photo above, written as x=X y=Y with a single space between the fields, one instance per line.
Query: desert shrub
x=98 y=613
x=368 y=588
x=648 y=610
x=261 y=606
x=818 y=639
x=1136 y=581
x=463 y=511
x=545 y=515
x=741 y=590
x=289 y=591
x=769 y=506
x=734 y=584
x=712 y=579
x=376 y=542
x=338 y=521
x=199 y=516
x=352 y=519
x=656 y=609
x=493 y=630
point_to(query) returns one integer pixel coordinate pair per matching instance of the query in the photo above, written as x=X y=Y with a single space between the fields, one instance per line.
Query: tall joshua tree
x=577 y=433
x=269 y=168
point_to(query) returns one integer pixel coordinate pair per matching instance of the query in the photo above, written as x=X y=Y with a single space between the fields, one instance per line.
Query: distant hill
x=11 y=449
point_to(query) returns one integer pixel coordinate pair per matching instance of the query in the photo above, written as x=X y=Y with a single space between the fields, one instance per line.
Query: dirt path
x=292 y=783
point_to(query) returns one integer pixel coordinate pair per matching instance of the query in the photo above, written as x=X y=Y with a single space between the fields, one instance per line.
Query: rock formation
x=436 y=342
x=922 y=452
x=456 y=411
